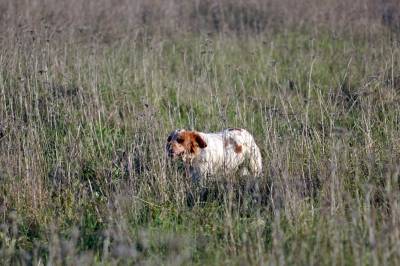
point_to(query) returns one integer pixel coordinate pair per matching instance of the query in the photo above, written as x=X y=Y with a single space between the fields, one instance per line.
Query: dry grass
x=89 y=91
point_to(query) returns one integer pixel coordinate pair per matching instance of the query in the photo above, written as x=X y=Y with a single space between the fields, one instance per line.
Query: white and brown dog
x=210 y=153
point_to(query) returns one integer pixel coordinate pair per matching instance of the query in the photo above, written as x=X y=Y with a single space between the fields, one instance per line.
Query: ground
x=86 y=108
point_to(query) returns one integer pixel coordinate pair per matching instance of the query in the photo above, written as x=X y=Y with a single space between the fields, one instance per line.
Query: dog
x=206 y=154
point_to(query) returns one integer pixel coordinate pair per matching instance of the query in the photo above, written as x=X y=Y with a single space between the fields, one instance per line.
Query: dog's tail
x=255 y=160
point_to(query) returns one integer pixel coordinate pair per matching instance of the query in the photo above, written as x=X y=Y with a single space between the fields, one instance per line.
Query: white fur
x=220 y=157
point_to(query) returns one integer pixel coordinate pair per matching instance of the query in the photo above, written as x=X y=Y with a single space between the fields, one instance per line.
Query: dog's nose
x=169 y=151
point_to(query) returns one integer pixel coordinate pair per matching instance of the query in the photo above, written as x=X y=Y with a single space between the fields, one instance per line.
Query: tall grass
x=90 y=90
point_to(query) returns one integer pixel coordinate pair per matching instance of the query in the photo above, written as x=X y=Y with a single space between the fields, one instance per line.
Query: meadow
x=90 y=90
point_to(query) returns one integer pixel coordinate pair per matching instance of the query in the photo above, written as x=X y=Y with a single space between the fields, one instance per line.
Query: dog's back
x=228 y=150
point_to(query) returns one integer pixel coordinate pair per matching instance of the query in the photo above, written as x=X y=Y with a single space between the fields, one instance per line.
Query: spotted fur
x=212 y=153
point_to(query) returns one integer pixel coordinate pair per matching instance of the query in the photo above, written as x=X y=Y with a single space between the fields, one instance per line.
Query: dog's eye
x=180 y=140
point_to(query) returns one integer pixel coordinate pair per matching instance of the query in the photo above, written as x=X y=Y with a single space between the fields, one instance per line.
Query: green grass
x=84 y=179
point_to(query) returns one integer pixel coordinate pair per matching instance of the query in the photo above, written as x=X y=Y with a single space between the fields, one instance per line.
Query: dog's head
x=184 y=144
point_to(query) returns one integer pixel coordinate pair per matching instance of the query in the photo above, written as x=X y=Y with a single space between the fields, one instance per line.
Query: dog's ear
x=200 y=141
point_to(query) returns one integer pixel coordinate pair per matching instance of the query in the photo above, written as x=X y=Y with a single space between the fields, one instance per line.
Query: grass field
x=89 y=91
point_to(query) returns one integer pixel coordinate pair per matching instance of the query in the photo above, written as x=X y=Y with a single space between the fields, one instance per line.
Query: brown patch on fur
x=237 y=147
x=235 y=128
x=184 y=144
x=227 y=142
x=192 y=141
